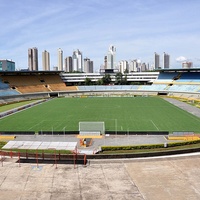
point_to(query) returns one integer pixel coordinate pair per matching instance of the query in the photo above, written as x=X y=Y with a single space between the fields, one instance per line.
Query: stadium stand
x=184 y=88
x=5 y=89
x=25 y=84
x=34 y=83
x=109 y=87
x=54 y=82
x=3 y=85
x=8 y=92
x=154 y=87
x=167 y=76
x=189 y=77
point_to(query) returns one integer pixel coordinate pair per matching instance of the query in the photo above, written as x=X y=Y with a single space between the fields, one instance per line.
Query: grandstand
x=33 y=82
x=5 y=89
x=42 y=84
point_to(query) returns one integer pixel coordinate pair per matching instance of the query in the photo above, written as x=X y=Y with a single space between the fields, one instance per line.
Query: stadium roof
x=11 y=73
x=39 y=145
x=180 y=70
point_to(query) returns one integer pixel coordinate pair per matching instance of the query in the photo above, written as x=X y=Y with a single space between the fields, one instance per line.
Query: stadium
x=53 y=117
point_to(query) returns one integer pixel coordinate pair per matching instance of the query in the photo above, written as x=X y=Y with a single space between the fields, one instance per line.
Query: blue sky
x=137 y=28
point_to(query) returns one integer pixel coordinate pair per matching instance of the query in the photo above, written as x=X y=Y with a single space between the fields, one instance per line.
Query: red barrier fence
x=56 y=157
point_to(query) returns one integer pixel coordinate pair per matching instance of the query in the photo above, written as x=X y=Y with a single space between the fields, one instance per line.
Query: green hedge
x=2 y=144
x=151 y=146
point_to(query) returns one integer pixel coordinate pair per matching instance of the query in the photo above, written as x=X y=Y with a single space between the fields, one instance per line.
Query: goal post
x=91 y=128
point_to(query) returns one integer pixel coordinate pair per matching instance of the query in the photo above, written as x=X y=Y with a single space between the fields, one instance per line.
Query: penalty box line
x=36 y=124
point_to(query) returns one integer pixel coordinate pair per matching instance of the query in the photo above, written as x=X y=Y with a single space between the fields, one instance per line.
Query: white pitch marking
x=154 y=125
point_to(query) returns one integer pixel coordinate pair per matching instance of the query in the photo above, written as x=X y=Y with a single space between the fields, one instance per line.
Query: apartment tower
x=68 y=64
x=111 y=57
x=60 y=59
x=77 y=61
x=166 y=61
x=45 y=61
x=88 y=65
x=156 y=60
x=33 y=59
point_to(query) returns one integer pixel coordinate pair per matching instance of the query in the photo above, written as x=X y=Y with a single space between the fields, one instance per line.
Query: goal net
x=91 y=128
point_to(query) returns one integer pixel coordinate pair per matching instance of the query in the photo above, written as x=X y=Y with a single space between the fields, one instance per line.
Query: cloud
x=181 y=59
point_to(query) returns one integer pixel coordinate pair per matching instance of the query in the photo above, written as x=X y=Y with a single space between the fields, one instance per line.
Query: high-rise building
x=77 y=61
x=68 y=64
x=33 y=59
x=60 y=59
x=105 y=62
x=88 y=65
x=166 y=60
x=133 y=65
x=187 y=65
x=45 y=61
x=7 y=65
x=123 y=66
x=111 y=57
x=143 y=67
x=156 y=61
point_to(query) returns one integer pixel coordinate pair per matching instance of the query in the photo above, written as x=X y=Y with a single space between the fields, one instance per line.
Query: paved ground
x=112 y=140
x=136 y=179
x=189 y=108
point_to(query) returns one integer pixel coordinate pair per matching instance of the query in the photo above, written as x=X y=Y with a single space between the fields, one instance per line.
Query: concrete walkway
x=174 y=178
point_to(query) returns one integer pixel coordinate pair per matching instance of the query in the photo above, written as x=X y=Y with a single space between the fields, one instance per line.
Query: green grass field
x=125 y=114
x=15 y=105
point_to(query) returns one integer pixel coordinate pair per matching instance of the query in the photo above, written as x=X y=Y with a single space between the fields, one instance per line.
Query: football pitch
x=119 y=114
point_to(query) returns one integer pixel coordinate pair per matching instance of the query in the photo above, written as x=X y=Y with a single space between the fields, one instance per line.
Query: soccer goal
x=91 y=128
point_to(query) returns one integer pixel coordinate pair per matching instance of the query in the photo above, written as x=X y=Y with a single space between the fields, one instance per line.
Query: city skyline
x=136 y=28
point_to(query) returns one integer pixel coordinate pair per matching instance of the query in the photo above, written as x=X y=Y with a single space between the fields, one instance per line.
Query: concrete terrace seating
x=184 y=88
x=15 y=81
x=36 y=83
x=3 y=85
x=154 y=87
x=32 y=89
x=189 y=77
x=26 y=84
x=167 y=75
x=130 y=87
x=71 y=88
x=107 y=87
x=5 y=90
x=8 y=92
x=54 y=82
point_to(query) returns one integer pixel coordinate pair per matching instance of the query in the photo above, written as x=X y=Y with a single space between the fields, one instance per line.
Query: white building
x=60 y=59
x=77 y=61
x=187 y=65
x=123 y=66
x=45 y=61
x=133 y=66
x=111 y=58
x=88 y=65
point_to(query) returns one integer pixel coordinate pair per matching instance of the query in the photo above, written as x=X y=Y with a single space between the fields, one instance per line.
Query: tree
x=100 y=82
x=124 y=80
x=106 y=79
x=126 y=71
x=120 y=80
x=88 y=81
